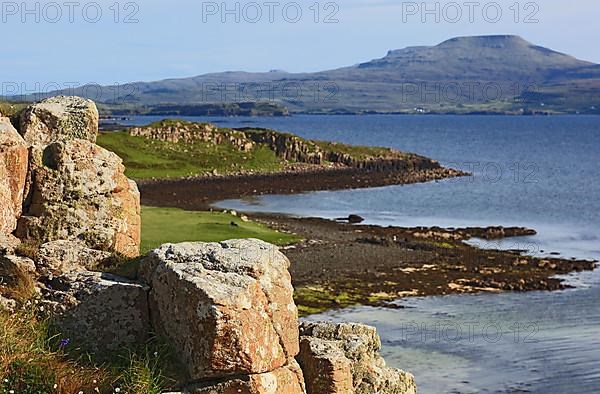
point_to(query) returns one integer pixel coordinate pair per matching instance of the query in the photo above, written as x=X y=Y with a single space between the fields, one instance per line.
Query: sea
x=540 y=172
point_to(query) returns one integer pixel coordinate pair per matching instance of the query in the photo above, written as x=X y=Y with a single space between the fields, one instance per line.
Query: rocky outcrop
x=284 y=380
x=99 y=313
x=344 y=358
x=287 y=146
x=65 y=257
x=13 y=172
x=59 y=118
x=189 y=133
x=80 y=192
x=227 y=308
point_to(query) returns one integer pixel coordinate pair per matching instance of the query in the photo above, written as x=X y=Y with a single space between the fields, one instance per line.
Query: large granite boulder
x=13 y=172
x=344 y=358
x=79 y=192
x=227 y=308
x=60 y=118
x=98 y=313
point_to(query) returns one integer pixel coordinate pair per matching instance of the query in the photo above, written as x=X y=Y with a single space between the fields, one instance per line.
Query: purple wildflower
x=64 y=343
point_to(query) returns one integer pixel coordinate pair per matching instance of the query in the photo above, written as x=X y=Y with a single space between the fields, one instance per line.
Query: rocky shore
x=71 y=221
x=198 y=193
x=390 y=263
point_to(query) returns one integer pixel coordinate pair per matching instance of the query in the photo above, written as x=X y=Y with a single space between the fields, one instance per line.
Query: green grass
x=360 y=152
x=171 y=225
x=10 y=109
x=33 y=362
x=145 y=158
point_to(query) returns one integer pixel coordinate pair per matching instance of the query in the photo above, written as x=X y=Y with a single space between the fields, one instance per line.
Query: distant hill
x=487 y=74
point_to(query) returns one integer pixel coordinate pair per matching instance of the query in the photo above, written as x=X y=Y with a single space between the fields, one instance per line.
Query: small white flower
x=81 y=392
x=117 y=390
x=55 y=385
x=5 y=380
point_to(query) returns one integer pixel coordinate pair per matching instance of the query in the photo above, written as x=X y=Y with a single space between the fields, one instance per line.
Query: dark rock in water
x=355 y=219
x=352 y=219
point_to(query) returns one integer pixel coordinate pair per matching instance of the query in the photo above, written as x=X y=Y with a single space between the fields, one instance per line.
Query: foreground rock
x=60 y=118
x=8 y=244
x=99 y=313
x=81 y=193
x=65 y=257
x=13 y=268
x=13 y=172
x=227 y=308
x=285 y=380
x=344 y=358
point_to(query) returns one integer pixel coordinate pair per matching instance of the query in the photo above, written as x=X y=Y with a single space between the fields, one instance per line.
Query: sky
x=65 y=43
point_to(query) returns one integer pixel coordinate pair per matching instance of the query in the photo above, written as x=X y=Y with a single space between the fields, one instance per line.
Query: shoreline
x=389 y=263
x=199 y=193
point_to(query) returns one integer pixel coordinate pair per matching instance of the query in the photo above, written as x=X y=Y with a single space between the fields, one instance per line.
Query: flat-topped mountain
x=502 y=73
x=502 y=58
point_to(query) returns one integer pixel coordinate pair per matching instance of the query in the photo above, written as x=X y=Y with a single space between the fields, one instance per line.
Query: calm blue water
x=539 y=172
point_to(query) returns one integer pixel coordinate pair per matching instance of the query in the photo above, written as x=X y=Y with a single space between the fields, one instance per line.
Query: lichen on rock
x=226 y=307
x=13 y=172
x=100 y=313
x=60 y=118
x=344 y=358
x=80 y=192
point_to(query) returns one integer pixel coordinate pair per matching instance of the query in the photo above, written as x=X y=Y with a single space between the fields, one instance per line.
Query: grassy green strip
x=145 y=158
x=171 y=225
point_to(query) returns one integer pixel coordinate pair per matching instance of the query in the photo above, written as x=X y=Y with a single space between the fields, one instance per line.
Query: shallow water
x=538 y=172
x=534 y=342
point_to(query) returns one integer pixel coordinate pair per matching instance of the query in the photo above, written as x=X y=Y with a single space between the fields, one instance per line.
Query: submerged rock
x=13 y=172
x=344 y=358
x=80 y=192
x=60 y=118
x=227 y=308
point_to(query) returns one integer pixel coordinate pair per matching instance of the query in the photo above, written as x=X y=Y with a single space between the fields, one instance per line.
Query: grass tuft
x=32 y=361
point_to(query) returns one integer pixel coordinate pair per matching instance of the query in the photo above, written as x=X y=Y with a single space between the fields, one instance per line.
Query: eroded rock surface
x=12 y=267
x=64 y=257
x=99 y=313
x=80 y=192
x=226 y=307
x=60 y=118
x=284 y=380
x=13 y=172
x=344 y=358
x=8 y=244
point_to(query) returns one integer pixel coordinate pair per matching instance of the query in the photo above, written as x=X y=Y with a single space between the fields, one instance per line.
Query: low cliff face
x=287 y=147
x=186 y=132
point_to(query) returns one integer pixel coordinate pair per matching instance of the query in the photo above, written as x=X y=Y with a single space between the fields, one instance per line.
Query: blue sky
x=180 y=38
